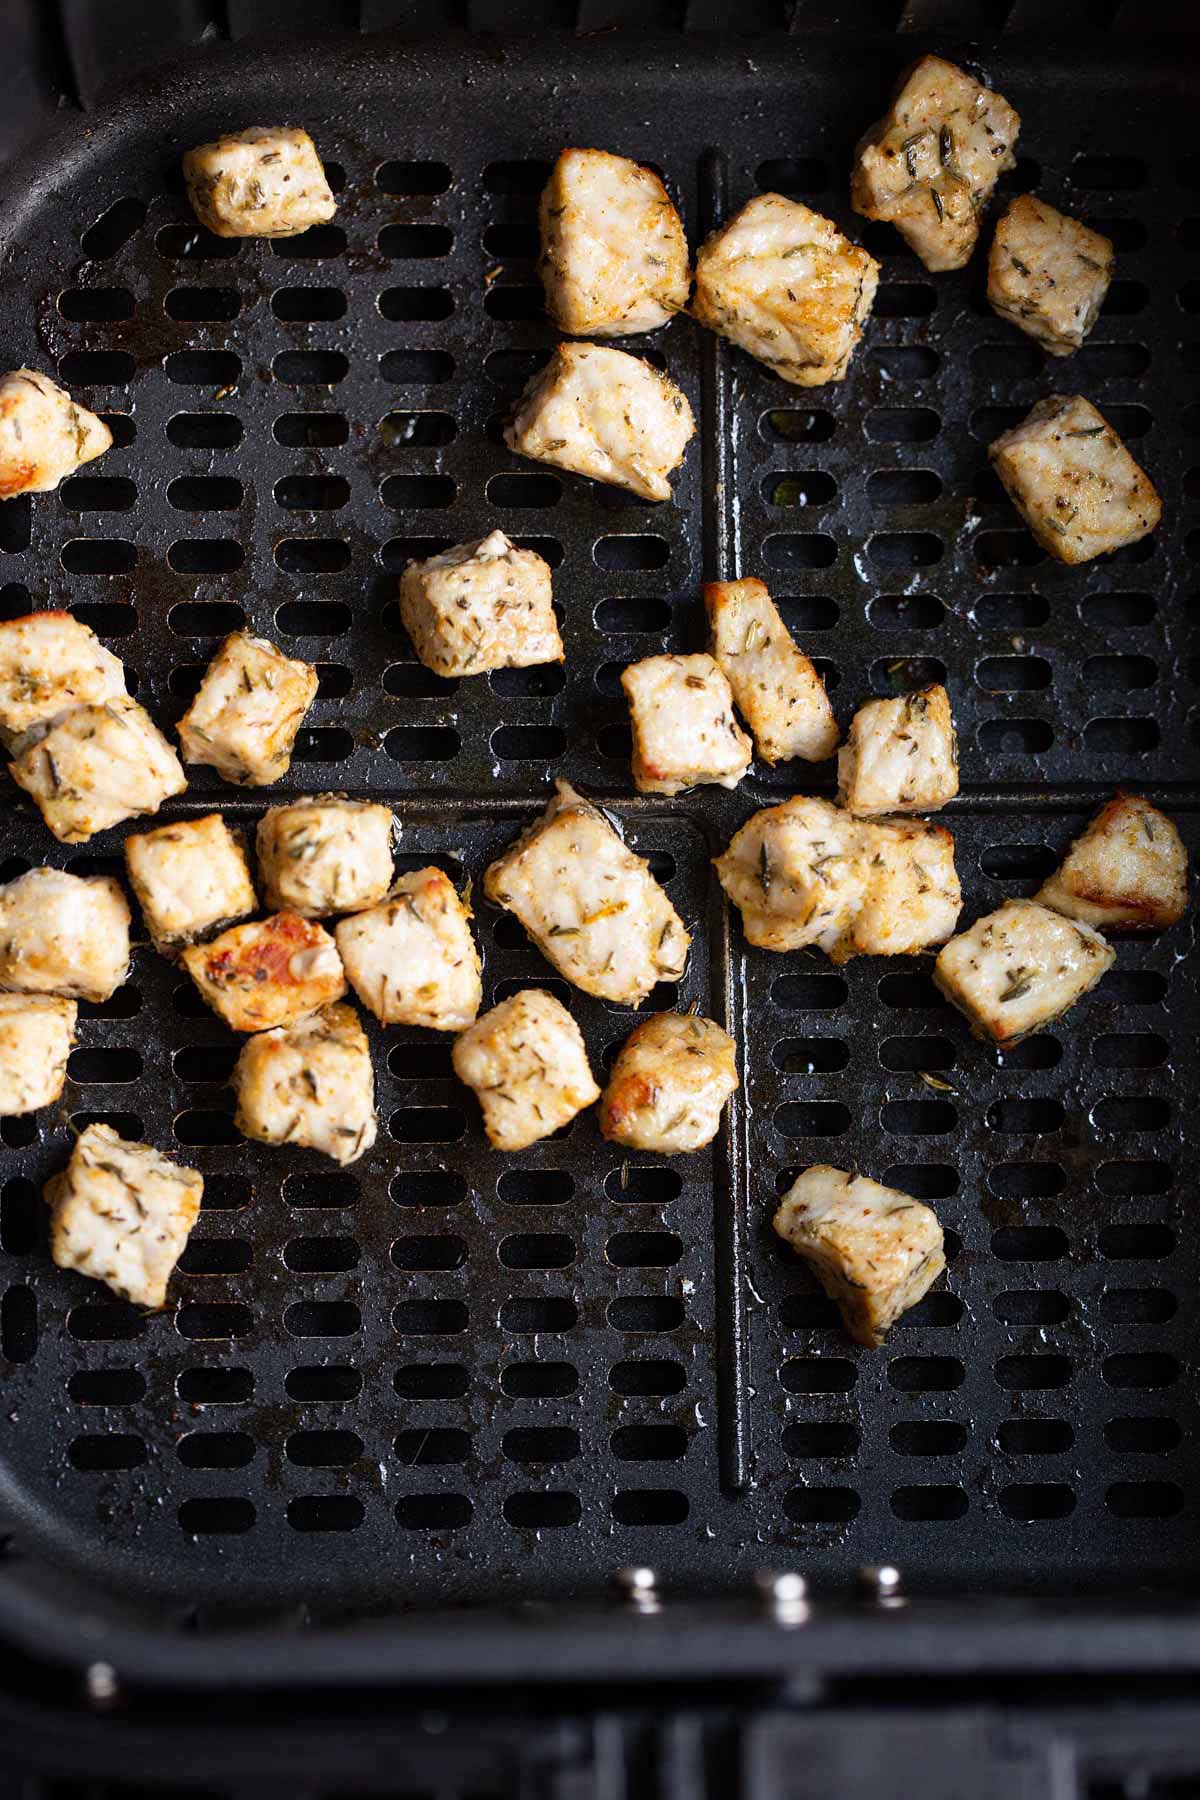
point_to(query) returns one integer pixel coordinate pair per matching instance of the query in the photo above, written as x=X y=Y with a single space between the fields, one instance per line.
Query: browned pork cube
x=1048 y=274
x=1073 y=481
x=930 y=164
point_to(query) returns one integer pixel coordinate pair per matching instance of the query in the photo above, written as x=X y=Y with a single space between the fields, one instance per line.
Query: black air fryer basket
x=401 y=1423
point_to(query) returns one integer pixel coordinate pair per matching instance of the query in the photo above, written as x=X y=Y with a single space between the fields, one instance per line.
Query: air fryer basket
x=450 y=1375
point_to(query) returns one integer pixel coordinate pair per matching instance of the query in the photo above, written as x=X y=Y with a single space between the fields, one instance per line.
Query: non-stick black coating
x=625 y=1368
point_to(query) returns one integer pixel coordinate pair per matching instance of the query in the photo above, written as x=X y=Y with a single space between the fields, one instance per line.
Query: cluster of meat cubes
x=867 y=874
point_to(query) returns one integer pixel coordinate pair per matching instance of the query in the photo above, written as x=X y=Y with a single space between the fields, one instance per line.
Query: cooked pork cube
x=325 y=855
x=527 y=1063
x=930 y=164
x=248 y=710
x=775 y=687
x=412 y=960
x=480 y=606
x=606 y=414
x=784 y=284
x=912 y=899
x=264 y=182
x=36 y=1034
x=797 y=874
x=270 y=972
x=591 y=906
x=684 y=731
x=900 y=755
x=1128 y=871
x=63 y=934
x=669 y=1084
x=44 y=434
x=1020 y=968
x=614 y=257
x=310 y=1084
x=1073 y=481
x=97 y=765
x=49 y=662
x=189 y=878
x=122 y=1213
x=875 y=1250
x=1048 y=274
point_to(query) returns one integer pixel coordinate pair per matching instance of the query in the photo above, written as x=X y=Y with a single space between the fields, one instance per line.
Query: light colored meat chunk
x=1048 y=274
x=930 y=164
x=49 y=662
x=775 y=686
x=264 y=182
x=412 y=960
x=900 y=755
x=912 y=899
x=528 y=1066
x=480 y=606
x=669 y=1084
x=44 y=434
x=95 y=766
x=1127 y=872
x=591 y=906
x=269 y=972
x=63 y=934
x=604 y=413
x=250 y=705
x=188 y=879
x=614 y=257
x=1073 y=481
x=310 y=1083
x=1020 y=968
x=325 y=855
x=806 y=873
x=797 y=874
x=36 y=1034
x=684 y=731
x=784 y=284
x=122 y=1213
x=875 y=1250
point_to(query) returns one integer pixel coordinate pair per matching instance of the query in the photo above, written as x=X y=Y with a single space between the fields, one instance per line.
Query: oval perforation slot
x=821 y=1505
x=324 y=1384
x=107 y=1387
x=19 y=1324
x=104 y=1453
x=319 y=243
x=649 y=1443
x=434 y=1512
x=1033 y=1502
x=205 y=431
x=114 y=228
x=541 y=1445
x=22 y=1215
x=224 y=1515
x=1143 y=1435
x=432 y=1381
x=432 y=1447
x=428 y=1188
x=550 y=1510
x=216 y=1450
x=929 y=1437
x=539 y=1380
x=308 y=305
x=444 y=1251
x=650 y=1507
x=930 y=1503
x=215 y=1386
x=326 y=1512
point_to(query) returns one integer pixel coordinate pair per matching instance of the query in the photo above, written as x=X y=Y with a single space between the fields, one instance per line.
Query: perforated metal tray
x=450 y=1375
